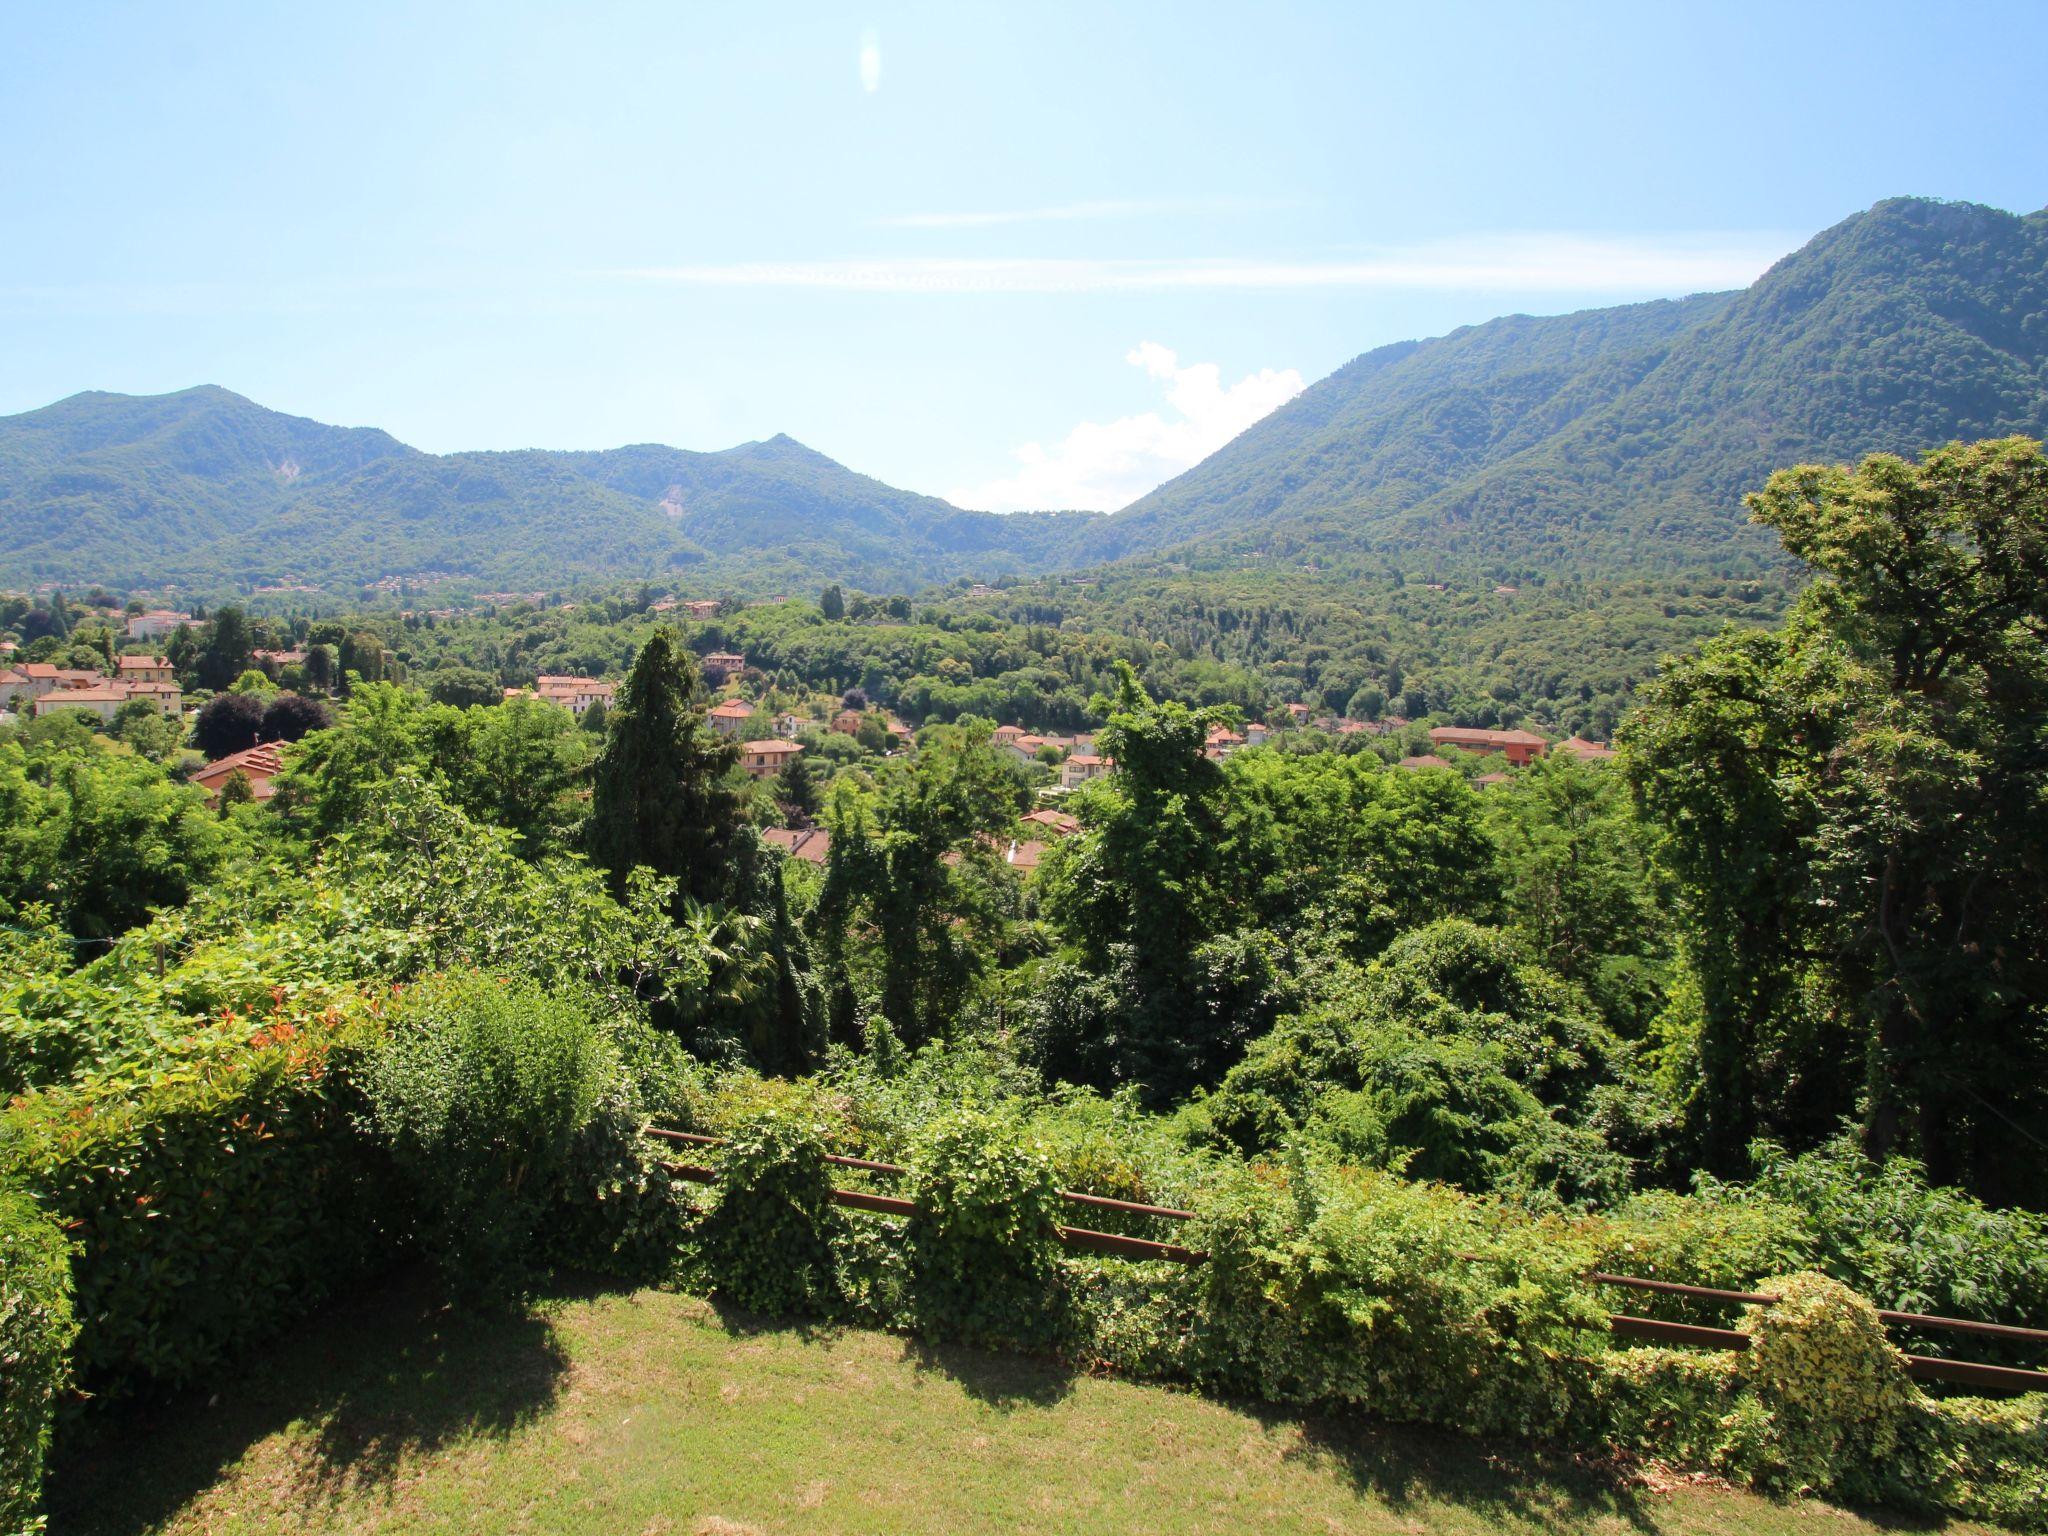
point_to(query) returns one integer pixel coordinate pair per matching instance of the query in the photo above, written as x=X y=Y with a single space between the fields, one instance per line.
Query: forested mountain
x=1624 y=438
x=1609 y=442
x=205 y=488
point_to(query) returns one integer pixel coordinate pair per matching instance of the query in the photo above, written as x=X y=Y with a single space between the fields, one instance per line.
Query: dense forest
x=1756 y=1001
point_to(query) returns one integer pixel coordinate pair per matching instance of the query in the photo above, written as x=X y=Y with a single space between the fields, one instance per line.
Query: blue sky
x=1018 y=255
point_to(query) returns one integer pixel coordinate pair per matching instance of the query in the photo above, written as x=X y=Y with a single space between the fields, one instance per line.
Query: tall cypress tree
x=658 y=791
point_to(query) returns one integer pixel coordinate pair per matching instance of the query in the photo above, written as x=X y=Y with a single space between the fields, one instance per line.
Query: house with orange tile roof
x=813 y=845
x=731 y=717
x=1051 y=823
x=1424 y=760
x=765 y=758
x=146 y=669
x=259 y=765
x=1584 y=750
x=1518 y=747
x=1082 y=767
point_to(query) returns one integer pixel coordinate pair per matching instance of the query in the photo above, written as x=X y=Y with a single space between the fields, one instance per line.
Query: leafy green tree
x=463 y=687
x=148 y=730
x=228 y=650
x=659 y=795
x=796 y=787
x=595 y=718
x=1578 y=883
x=521 y=765
x=1852 y=808
x=97 y=834
x=832 y=604
x=914 y=865
x=228 y=722
x=293 y=716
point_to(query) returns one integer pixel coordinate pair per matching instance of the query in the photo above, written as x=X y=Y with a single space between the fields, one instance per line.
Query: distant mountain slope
x=1624 y=438
x=206 y=489
x=1609 y=441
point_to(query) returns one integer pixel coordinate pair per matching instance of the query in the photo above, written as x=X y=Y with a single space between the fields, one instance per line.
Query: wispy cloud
x=870 y=62
x=1103 y=465
x=1068 y=213
x=1555 y=263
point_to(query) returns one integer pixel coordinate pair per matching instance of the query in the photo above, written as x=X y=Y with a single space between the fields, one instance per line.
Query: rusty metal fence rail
x=1998 y=1378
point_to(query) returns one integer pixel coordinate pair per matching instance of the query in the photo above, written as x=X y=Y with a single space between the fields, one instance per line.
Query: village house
x=155 y=624
x=1003 y=735
x=1024 y=856
x=1255 y=734
x=701 y=608
x=1584 y=750
x=725 y=663
x=1083 y=767
x=1222 y=742
x=813 y=845
x=1424 y=760
x=765 y=758
x=1298 y=713
x=146 y=669
x=165 y=696
x=981 y=589
x=1518 y=747
x=1051 y=823
x=101 y=702
x=847 y=722
x=32 y=679
x=731 y=717
x=270 y=660
x=787 y=725
x=258 y=765
x=575 y=694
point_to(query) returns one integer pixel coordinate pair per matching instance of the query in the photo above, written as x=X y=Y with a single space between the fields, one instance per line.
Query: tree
x=594 y=718
x=148 y=730
x=796 y=788
x=913 y=862
x=1853 y=806
x=227 y=652
x=832 y=604
x=292 y=716
x=464 y=687
x=658 y=791
x=227 y=723
x=520 y=766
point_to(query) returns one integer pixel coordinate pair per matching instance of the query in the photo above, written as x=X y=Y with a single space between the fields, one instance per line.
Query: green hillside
x=208 y=490
x=1624 y=438
x=1608 y=442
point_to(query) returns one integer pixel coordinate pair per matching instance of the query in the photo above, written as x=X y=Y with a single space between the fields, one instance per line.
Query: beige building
x=768 y=757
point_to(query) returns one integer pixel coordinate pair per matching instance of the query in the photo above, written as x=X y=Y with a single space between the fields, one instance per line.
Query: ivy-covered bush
x=479 y=1095
x=1332 y=1284
x=983 y=1249
x=766 y=1243
x=35 y=1332
x=212 y=1203
x=1836 y=1388
x=1971 y=1456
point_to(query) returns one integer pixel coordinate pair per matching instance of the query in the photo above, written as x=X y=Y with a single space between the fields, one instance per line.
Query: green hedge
x=211 y=1204
x=35 y=1330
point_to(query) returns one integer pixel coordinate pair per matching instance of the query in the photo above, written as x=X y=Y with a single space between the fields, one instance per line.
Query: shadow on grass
x=1001 y=1380
x=389 y=1377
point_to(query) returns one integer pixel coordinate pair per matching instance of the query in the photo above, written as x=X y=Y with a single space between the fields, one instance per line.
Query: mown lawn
x=636 y=1414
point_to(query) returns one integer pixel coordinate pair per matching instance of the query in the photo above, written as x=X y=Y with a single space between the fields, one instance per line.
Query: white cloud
x=1101 y=466
x=1554 y=263
x=1066 y=213
x=870 y=62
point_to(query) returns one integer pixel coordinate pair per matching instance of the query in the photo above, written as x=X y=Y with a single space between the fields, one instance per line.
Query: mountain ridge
x=1604 y=441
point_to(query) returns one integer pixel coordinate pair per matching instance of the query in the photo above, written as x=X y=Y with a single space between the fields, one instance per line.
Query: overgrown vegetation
x=1419 y=1051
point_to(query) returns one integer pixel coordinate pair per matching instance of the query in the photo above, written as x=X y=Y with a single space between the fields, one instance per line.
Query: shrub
x=983 y=1248
x=1911 y=1246
x=210 y=1204
x=1967 y=1456
x=36 y=1328
x=1836 y=1388
x=619 y=1211
x=1729 y=1245
x=766 y=1242
x=1685 y=1408
x=1331 y=1284
x=479 y=1096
